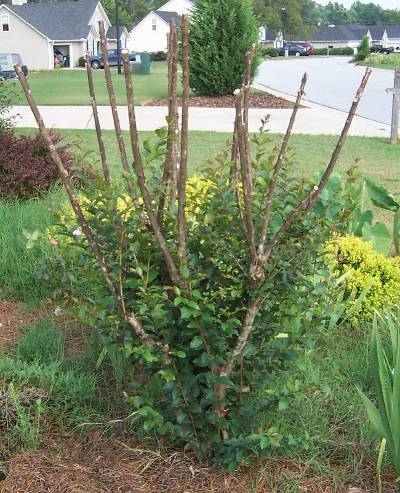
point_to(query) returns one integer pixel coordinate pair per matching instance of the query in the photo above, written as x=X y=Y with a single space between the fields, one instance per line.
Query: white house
x=150 y=34
x=350 y=36
x=38 y=30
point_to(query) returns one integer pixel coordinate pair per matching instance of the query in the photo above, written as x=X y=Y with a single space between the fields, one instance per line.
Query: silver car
x=7 y=62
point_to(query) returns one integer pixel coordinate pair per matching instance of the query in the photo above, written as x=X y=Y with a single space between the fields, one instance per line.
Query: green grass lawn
x=375 y=157
x=329 y=435
x=389 y=62
x=69 y=87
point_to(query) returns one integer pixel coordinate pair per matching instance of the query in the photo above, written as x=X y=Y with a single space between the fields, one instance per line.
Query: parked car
x=294 y=49
x=97 y=60
x=310 y=49
x=381 y=49
x=7 y=62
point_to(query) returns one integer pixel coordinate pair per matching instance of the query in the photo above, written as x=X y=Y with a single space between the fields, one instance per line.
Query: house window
x=154 y=24
x=5 y=22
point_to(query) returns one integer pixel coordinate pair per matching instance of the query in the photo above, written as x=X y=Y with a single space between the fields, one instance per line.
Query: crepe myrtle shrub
x=363 y=50
x=208 y=295
x=221 y=32
x=26 y=168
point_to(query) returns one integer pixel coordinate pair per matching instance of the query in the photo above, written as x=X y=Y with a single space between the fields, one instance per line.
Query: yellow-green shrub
x=366 y=269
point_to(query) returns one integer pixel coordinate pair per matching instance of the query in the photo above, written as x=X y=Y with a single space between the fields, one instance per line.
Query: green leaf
x=379 y=235
x=396 y=232
x=178 y=354
x=264 y=443
x=381 y=197
x=283 y=404
x=148 y=425
x=196 y=342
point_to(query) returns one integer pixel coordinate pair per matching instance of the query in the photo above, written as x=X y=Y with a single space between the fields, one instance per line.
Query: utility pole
x=394 y=134
x=118 y=40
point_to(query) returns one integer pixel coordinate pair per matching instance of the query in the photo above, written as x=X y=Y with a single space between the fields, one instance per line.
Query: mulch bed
x=66 y=463
x=257 y=100
x=12 y=318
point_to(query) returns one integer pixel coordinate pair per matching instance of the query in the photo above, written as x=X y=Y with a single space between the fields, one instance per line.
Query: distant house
x=269 y=38
x=112 y=37
x=150 y=34
x=37 y=30
x=350 y=35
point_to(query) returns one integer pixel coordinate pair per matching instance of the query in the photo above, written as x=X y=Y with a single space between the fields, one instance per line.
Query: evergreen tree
x=222 y=31
x=363 y=50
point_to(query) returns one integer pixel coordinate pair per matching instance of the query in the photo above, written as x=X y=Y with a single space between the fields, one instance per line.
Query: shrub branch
x=100 y=140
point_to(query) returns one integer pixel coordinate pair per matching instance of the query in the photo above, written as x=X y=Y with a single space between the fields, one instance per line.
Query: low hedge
x=269 y=52
x=334 y=51
x=366 y=270
x=26 y=167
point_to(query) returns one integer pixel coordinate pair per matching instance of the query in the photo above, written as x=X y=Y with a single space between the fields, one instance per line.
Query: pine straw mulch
x=66 y=463
x=257 y=100
x=12 y=318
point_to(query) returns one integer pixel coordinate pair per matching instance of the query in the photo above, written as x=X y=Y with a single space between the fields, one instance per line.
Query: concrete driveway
x=332 y=82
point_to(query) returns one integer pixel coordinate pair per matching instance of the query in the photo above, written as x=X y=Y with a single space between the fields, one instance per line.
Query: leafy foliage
x=366 y=270
x=26 y=169
x=385 y=371
x=177 y=396
x=363 y=50
x=227 y=28
x=7 y=95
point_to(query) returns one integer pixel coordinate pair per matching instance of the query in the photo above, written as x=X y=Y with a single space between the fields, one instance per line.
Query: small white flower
x=77 y=232
x=57 y=311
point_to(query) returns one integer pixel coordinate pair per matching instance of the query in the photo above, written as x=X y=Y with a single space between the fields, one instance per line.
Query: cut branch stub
x=277 y=168
x=66 y=180
x=131 y=319
x=182 y=177
x=100 y=140
x=139 y=170
x=117 y=124
x=170 y=168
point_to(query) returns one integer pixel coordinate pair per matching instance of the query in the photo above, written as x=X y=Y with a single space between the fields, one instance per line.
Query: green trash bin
x=145 y=63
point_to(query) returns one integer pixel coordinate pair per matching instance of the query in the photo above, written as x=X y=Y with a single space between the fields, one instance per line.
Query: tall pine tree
x=222 y=31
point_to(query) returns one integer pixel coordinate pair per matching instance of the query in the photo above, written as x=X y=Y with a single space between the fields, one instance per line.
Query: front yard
x=69 y=87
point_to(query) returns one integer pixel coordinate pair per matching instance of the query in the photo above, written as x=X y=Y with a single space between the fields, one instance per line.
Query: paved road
x=332 y=82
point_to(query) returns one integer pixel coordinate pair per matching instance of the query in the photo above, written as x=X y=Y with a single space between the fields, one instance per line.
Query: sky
x=387 y=4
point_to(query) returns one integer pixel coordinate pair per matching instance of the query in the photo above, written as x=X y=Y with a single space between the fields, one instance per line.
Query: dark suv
x=7 y=62
x=381 y=49
x=97 y=60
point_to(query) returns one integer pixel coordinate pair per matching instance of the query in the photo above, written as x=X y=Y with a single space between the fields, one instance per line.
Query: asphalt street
x=333 y=82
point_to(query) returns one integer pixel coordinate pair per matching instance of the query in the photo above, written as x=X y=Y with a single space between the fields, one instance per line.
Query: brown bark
x=100 y=140
x=306 y=205
x=66 y=180
x=132 y=319
x=277 y=168
x=169 y=174
x=117 y=124
x=139 y=170
x=182 y=177
x=247 y=181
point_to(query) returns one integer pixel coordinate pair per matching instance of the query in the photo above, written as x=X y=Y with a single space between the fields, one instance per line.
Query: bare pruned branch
x=306 y=205
x=100 y=140
x=66 y=180
x=277 y=168
x=182 y=177
x=170 y=169
x=117 y=124
x=139 y=170
x=247 y=180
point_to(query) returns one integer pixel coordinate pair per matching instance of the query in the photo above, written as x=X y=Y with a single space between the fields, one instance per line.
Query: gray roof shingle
x=112 y=32
x=354 y=32
x=58 y=20
x=169 y=16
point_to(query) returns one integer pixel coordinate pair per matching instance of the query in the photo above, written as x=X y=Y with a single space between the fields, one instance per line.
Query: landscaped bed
x=257 y=100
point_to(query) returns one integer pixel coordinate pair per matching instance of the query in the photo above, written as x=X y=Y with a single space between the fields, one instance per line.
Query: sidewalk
x=314 y=119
